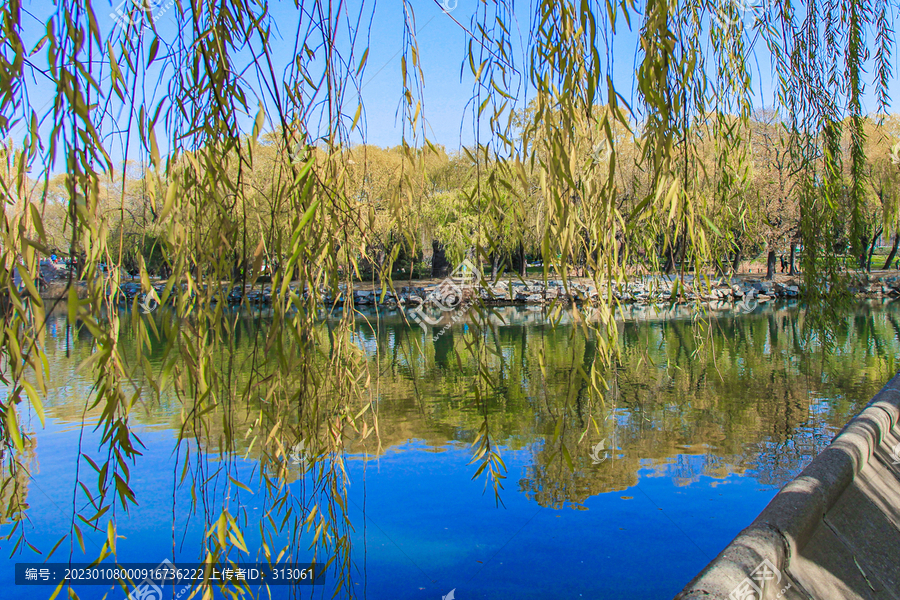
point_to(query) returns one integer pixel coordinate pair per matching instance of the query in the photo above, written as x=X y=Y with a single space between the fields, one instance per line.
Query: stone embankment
x=649 y=291
x=833 y=533
x=653 y=291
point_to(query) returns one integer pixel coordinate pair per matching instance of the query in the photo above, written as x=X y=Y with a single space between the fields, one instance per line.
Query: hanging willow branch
x=244 y=168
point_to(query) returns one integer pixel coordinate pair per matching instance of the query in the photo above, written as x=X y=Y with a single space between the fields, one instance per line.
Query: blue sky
x=442 y=46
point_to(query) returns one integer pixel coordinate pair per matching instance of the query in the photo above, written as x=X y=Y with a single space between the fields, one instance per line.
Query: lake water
x=626 y=495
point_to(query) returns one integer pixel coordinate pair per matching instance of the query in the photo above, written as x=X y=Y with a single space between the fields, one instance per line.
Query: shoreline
x=647 y=290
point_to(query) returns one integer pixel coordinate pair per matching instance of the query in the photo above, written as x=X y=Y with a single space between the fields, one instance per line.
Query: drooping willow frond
x=249 y=163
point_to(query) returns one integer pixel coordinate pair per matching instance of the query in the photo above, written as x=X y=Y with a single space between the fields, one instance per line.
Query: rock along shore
x=648 y=291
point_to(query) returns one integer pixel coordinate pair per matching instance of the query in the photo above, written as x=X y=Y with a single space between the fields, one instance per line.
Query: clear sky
x=442 y=45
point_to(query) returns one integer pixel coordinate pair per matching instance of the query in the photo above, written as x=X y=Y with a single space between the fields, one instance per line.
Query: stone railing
x=831 y=533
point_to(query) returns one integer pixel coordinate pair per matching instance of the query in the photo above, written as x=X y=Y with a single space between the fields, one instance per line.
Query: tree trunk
x=890 y=258
x=523 y=263
x=682 y=254
x=440 y=267
x=736 y=263
x=872 y=250
x=381 y=257
x=793 y=270
x=495 y=266
x=669 y=266
x=770 y=265
x=236 y=267
x=720 y=267
x=861 y=257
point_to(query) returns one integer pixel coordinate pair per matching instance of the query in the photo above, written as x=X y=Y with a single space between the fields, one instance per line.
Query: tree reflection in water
x=751 y=395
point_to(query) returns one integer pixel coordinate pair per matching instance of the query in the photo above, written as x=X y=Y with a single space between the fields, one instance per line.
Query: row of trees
x=418 y=205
